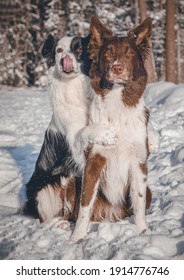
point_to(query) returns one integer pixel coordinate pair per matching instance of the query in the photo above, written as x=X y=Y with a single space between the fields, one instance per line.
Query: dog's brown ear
x=140 y=35
x=99 y=31
x=141 y=32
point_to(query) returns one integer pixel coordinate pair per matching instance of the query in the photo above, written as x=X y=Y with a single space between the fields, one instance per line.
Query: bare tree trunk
x=17 y=66
x=150 y=65
x=64 y=17
x=137 y=12
x=81 y=26
x=171 y=73
x=179 y=56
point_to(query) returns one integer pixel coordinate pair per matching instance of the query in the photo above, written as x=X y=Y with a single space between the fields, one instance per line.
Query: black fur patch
x=76 y=47
x=48 y=50
x=83 y=56
x=54 y=161
x=104 y=84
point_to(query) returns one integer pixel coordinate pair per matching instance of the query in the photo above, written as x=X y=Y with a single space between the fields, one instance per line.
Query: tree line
x=24 y=26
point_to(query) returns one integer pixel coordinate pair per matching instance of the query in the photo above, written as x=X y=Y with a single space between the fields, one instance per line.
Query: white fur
x=123 y=159
x=84 y=218
x=153 y=139
x=49 y=203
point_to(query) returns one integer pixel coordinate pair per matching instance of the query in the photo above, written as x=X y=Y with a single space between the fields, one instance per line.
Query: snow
x=24 y=116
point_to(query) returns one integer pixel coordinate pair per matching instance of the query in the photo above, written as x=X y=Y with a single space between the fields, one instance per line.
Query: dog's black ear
x=85 y=56
x=76 y=47
x=48 y=50
x=79 y=46
x=140 y=36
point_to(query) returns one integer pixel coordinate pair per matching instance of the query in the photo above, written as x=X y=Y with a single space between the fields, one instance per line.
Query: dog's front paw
x=153 y=142
x=77 y=236
x=104 y=135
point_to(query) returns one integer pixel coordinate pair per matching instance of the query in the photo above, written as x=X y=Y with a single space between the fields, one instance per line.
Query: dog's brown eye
x=107 y=53
x=79 y=50
x=130 y=52
x=59 y=50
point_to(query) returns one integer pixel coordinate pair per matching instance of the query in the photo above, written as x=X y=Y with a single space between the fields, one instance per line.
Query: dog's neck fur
x=70 y=109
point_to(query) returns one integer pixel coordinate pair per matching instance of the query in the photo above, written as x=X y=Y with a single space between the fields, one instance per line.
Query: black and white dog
x=54 y=188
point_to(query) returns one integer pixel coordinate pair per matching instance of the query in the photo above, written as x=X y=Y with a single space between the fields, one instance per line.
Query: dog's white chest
x=127 y=121
x=70 y=103
x=130 y=128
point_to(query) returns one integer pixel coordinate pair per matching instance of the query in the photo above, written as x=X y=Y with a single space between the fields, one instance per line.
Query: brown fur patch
x=103 y=210
x=95 y=76
x=92 y=172
x=140 y=36
x=144 y=168
x=98 y=33
x=134 y=90
x=148 y=198
x=147 y=147
x=41 y=219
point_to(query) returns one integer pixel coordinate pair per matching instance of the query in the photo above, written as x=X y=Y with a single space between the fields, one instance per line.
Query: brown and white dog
x=117 y=173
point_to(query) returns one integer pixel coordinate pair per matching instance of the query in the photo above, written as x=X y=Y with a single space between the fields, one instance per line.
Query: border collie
x=118 y=79
x=54 y=187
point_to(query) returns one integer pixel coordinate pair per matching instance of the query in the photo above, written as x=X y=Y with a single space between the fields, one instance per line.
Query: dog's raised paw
x=153 y=143
x=105 y=136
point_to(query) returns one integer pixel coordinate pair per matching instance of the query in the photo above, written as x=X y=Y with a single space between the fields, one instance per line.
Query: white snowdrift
x=24 y=116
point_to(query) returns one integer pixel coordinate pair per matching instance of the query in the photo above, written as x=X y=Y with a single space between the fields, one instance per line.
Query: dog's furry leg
x=138 y=194
x=153 y=139
x=49 y=203
x=91 y=179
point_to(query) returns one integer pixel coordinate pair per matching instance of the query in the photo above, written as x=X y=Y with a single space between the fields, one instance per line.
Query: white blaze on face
x=65 y=59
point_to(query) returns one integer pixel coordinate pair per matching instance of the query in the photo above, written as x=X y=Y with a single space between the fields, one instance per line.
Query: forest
x=25 y=24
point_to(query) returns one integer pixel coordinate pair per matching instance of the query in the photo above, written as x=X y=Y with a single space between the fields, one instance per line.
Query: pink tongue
x=67 y=64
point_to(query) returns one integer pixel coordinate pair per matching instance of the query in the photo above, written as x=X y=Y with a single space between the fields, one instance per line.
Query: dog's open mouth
x=67 y=64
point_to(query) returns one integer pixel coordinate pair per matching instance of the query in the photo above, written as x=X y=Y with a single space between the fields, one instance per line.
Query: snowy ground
x=24 y=115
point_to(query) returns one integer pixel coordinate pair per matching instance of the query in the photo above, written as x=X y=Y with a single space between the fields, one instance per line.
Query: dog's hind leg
x=90 y=184
x=49 y=203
